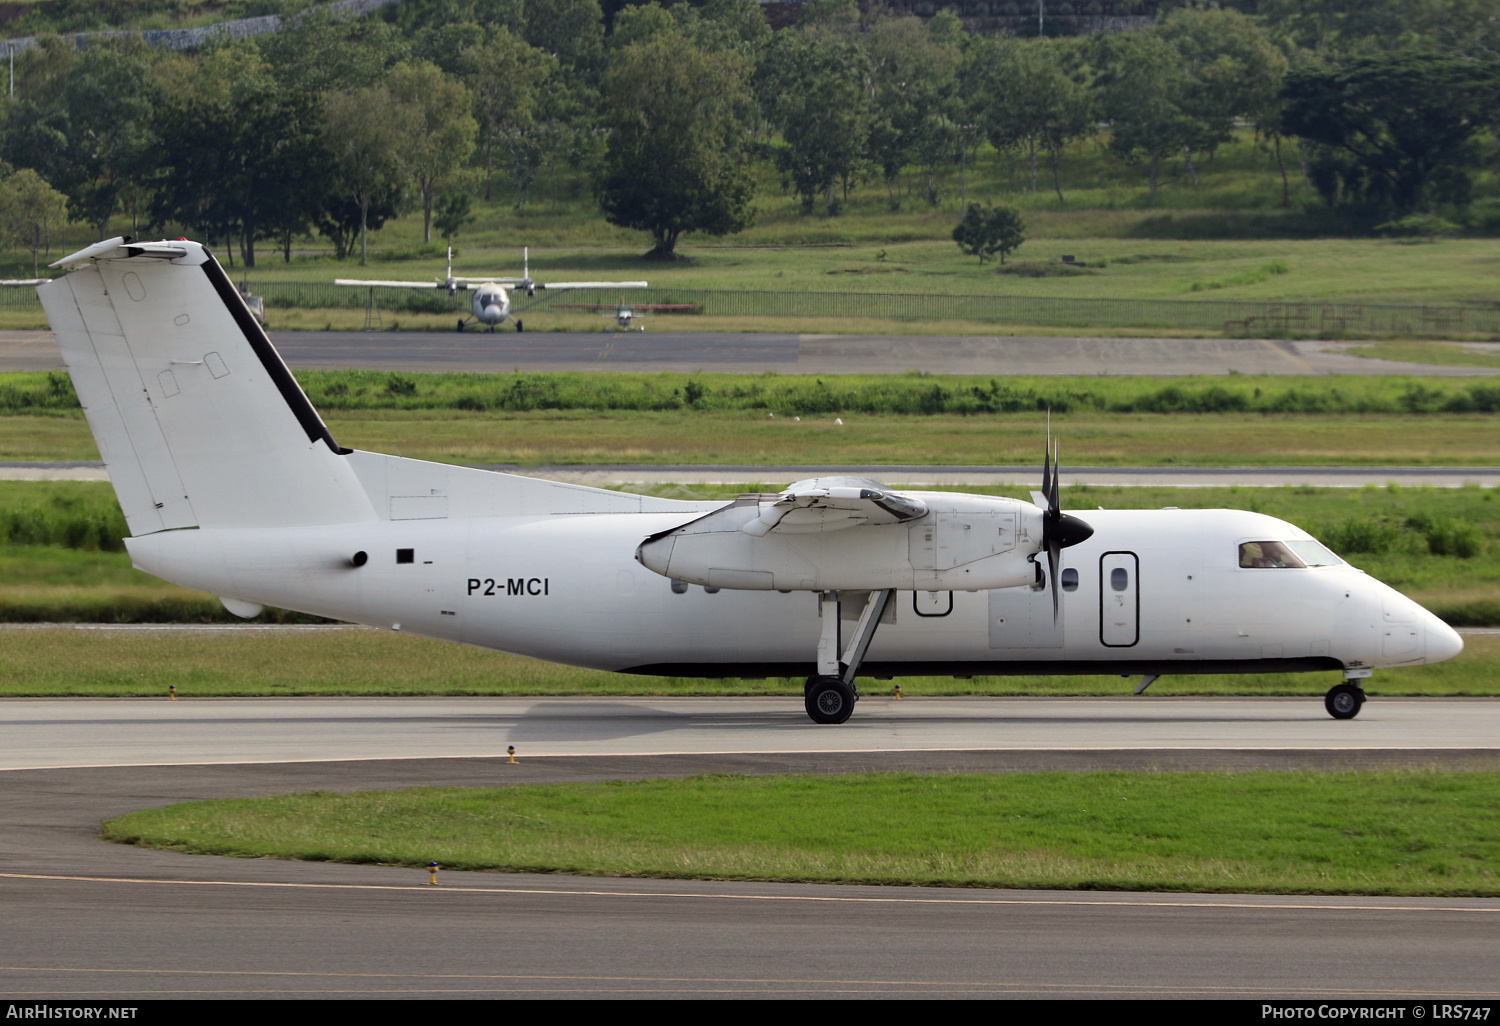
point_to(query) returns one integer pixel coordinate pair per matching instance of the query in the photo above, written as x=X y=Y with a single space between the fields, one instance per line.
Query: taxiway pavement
x=39 y=733
x=759 y=352
x=89 y=920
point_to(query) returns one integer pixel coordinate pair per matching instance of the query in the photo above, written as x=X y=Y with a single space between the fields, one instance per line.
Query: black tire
x=519 y=327
x=829 y=700
x=460 y=324
x=1343 y=701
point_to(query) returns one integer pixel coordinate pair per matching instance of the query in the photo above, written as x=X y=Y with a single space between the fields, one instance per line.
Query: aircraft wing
x=393 y=284
x=591 y=285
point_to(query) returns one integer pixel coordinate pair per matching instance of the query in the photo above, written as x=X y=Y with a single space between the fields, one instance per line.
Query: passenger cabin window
x=1119 y=578
x=1070 y=579
x=1268 y=554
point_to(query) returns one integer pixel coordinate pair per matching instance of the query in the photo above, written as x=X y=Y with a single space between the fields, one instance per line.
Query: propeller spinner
x=1059 y=529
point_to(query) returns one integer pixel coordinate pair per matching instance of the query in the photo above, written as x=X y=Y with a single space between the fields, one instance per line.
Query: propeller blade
x=1059 y=530
x=1054 y=556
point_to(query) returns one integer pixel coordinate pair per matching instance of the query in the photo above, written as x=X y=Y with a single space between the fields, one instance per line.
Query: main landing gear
x=830 y=694
x=1344 y=701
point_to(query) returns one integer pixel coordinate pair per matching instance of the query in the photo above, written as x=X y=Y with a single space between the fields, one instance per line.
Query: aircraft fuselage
x=1154 y=591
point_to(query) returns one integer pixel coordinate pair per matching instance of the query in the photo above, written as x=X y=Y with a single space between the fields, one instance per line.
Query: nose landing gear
x=1344 y=701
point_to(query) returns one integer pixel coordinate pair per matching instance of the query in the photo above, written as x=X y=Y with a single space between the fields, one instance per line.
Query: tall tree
x=914 y=87
x=1030 y=95
x=439 y=129
x=674 y=160
x=507 y=76
x=363 y=130
x=1234 y=70
x=812 y=87
x=1144 y=85
x=246 y=163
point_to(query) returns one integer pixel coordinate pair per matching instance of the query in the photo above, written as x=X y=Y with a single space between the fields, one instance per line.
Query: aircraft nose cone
x=1443 y=642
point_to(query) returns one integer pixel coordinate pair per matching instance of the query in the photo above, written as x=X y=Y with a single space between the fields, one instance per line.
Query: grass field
x=1343 y=270
x=741 y=438
x=1415 y=832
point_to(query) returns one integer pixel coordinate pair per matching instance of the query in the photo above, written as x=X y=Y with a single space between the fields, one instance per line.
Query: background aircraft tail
x=199 y=421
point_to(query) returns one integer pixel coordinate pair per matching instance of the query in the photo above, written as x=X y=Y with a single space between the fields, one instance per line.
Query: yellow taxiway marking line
x=826 y=898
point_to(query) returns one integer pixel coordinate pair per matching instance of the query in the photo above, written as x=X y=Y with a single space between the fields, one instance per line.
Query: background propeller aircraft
x=231 y=483
x=491 y=302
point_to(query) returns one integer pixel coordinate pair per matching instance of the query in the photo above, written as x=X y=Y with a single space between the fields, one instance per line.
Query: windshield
x=1282 y=554
x=1264 y=554
x=1314 y=553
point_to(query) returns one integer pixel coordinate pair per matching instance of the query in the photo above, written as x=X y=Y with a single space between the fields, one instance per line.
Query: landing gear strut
x=830 y=694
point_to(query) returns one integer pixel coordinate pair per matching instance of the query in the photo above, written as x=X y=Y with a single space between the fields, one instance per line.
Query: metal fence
x=1260 y=320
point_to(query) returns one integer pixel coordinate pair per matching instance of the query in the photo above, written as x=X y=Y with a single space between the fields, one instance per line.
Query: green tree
x=32 y=213
x=1143 y=89
x=363 y=130
x=1233 y=68
x=439 y=130
x=325 y=50
x=914 y=82
x=674 y=161
x=240 y=155
x=1394 y=133
x=109 y=100
x=1032 y=96
x=507 y=76
x=454 y=210
x=812 y=87
x=985 y=231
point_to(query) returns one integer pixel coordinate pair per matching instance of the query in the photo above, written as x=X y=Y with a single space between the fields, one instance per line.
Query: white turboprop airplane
x=231 y=483
x=491 y=302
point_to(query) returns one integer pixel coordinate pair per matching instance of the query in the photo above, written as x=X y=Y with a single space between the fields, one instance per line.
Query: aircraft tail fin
x=199 y=421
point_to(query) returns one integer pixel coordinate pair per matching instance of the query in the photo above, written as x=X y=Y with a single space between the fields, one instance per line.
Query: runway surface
x=36 y=733
x=86 y=919
x=759 y=352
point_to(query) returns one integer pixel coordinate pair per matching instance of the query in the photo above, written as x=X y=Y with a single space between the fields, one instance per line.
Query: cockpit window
x=1313 y=553
x=1262 y=554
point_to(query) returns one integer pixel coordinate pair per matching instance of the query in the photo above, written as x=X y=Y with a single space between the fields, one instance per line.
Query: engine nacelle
x=963 y=543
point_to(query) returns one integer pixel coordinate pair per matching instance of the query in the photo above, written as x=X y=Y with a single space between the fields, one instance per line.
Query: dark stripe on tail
x=292 y=392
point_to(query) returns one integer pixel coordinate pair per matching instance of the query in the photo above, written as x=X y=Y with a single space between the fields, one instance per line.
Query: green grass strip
x=914 y=393
x=1401 y=832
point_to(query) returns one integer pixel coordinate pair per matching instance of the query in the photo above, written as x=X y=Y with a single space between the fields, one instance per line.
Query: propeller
x=1059 y=530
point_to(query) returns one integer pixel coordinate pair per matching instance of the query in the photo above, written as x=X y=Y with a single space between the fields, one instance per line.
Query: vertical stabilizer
x=196 y=416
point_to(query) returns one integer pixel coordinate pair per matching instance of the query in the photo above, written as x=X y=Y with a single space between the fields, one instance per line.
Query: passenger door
x=1119 y=599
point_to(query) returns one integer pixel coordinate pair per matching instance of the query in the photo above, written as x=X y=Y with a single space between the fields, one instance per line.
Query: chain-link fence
x=1260 y=320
